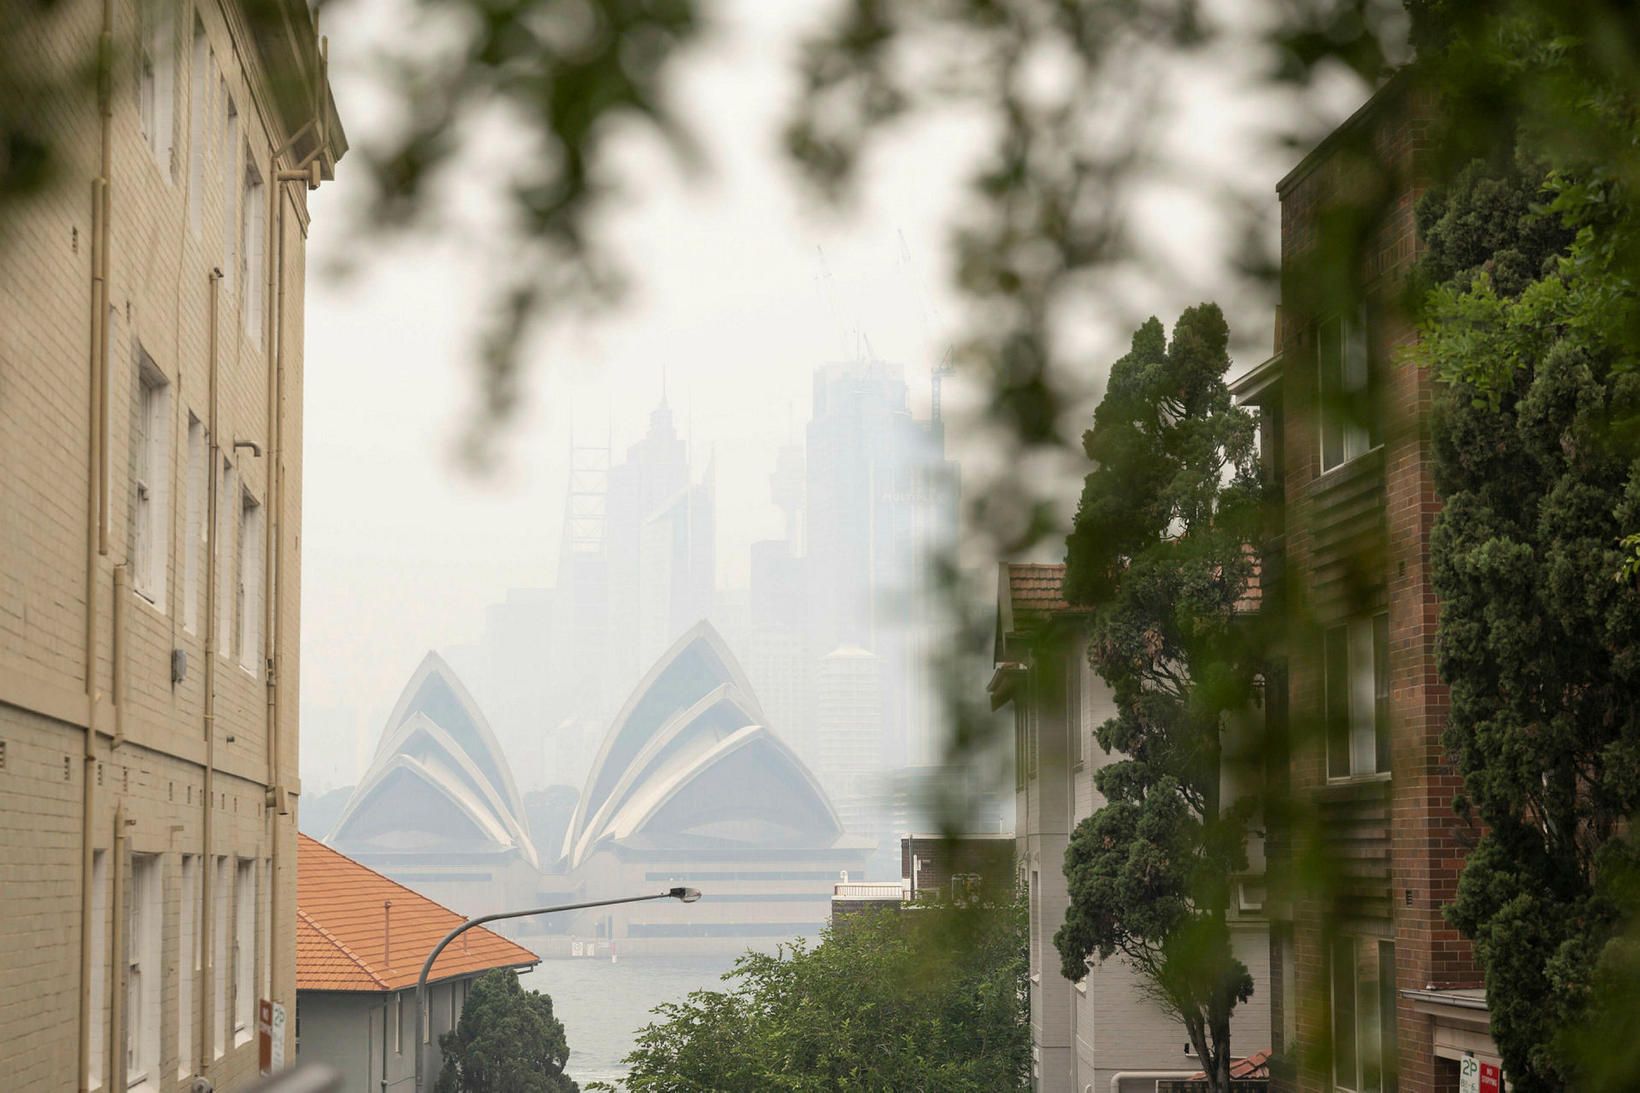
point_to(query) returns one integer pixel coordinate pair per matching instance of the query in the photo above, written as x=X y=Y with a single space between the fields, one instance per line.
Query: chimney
x=387 y=934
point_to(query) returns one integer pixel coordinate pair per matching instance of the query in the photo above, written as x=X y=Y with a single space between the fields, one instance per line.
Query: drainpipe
x=121 y=966
x=96 y=515
x=122 y=596
x=384 y=1046
x=207 y=885
x=272 y=575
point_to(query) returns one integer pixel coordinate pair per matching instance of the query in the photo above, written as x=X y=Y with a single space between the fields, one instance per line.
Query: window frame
x=248 y=579
x=150 y=482
x=1373 y=1030
x=253 y=247
x=144 y=970
x=1357 y=715
x=156 y=72
x=189 y=938
x=1349 y=416
x=221 y=900
x=244 y=952
x=194 y=537
x=227 y=486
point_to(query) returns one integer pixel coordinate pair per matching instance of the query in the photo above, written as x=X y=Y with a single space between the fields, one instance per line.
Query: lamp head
x=687 y=895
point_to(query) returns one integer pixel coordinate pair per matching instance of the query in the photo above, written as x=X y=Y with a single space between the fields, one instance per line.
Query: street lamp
x=683 y=895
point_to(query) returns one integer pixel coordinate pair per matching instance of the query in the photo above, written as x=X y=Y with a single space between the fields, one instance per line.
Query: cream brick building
x=1104 y=1032
x=150 y=499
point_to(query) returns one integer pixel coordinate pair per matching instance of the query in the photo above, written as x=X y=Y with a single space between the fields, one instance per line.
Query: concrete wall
x=58 y=645
x=362 y=1035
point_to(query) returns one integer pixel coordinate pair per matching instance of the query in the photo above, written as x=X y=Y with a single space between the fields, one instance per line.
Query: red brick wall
x=1424 y=838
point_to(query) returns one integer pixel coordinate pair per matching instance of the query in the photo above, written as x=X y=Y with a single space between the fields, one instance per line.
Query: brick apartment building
x=1363 y=961
x=150 y=500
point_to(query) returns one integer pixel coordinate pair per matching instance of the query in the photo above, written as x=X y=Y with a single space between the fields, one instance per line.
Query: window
x=219 y=955
x=230 y=188
x=253 y=230
x=265 y=935
x=151 y=436
x=99 y=964
x=143 y=973
x=194 y=542
x=1289 y=990
x=227 y=491
x=187 y=963
x=1349 y=420
x=156 y=81
x=248 y=591
x=199 y=90
x=1020 y=737
x=1074 y=720
x=1363 y=1014
x=1356 y=684
x=244 y=953
x=1033 y=718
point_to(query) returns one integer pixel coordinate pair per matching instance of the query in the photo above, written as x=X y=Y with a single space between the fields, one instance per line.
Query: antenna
x=828 y=288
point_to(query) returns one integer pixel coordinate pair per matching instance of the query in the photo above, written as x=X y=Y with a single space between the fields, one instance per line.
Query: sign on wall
x=270 y=1036
x=1475 y=1076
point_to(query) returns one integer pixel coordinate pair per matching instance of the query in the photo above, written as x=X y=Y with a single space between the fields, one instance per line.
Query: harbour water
x=604 y=1004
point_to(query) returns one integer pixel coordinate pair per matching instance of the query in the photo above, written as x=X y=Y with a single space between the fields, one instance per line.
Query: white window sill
x=1359 y=779
x=1345 y=465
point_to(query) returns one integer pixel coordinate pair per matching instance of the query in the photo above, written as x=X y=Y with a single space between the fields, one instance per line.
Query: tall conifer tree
x=1160 y=553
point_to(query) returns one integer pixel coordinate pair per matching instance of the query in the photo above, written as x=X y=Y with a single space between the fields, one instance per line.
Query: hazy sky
x=403 y=548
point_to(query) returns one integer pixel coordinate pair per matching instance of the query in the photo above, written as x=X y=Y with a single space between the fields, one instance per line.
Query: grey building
x=360 y=943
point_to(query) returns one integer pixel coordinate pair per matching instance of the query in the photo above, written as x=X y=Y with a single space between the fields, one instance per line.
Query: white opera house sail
x=438 y=809
x=692 y=787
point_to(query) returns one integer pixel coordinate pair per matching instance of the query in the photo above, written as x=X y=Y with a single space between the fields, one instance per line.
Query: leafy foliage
x=1160 y=553
x=507 y=1041
x=1538 y=463
x=927 y=999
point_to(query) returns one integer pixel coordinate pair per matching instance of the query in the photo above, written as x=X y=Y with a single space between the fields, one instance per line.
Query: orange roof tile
x=1036 y=589
x=342 y=934
x=1256 y=1067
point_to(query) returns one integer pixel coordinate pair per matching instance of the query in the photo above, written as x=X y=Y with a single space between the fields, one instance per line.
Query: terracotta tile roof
x=341 y=934
x=1036 y=589
x=1253 y=1068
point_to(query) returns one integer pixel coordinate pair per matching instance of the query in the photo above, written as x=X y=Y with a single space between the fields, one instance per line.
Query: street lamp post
x=685 y=895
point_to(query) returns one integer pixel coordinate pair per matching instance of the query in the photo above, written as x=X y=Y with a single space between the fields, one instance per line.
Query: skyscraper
x=881 y=499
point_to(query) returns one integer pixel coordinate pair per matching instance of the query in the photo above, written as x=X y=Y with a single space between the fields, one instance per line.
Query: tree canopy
x=1538 y=465
x=507 y=1041
x=931 y=999
x=1160 y=553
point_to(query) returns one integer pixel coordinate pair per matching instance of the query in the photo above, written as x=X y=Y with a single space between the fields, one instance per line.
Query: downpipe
x=96 y=518
x=207 y=886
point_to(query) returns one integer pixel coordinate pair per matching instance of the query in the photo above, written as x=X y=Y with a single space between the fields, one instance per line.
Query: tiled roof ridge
x=341 y=947
x=432 y=914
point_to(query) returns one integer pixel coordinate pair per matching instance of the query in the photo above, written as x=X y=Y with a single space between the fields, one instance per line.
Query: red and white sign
x=270 y=1036
x=1475 y=1076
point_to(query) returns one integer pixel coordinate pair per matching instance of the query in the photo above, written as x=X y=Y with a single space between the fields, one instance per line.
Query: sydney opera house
x=690 y=786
